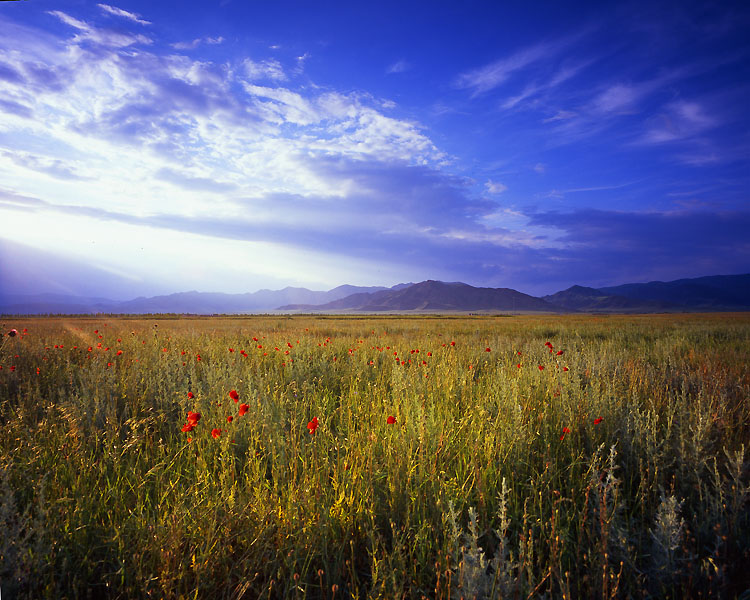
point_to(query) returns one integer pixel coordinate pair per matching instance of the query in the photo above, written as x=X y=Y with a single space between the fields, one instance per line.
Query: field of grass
x=376 y=457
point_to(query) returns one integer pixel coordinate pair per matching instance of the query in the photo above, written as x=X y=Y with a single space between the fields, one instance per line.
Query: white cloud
x=399 y=66
x=264 y=69
x=495 y=187
x=118 y=12
x=211 y=41
x=104 y=37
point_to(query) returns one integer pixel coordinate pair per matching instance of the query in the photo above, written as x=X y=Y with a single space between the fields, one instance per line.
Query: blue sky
x=154 y=147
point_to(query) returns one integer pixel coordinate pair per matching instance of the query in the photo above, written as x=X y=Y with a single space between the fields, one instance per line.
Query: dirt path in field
x=87 y=338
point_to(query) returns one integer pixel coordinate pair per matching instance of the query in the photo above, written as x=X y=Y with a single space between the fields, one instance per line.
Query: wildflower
x=313 y=425
x=453 y=343
x=243 y=409
x=234 y=395
x=193 y=417
x=191 y=395
x=565 y=369
x=188 y=427
x=230 y=418
x=391 y=420
x=519 y=365
x=598 y=420
x=559 y=353
x=541 y=367
x=119 y=352
x=215 y=433
x=231 y=349
x=487 y=350
x=564 y=431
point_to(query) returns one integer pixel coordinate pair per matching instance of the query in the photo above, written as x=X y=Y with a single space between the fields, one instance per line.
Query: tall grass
x=626 y=475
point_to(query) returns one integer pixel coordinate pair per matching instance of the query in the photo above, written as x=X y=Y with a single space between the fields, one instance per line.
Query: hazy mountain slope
x=586 y=299
x=718 y=292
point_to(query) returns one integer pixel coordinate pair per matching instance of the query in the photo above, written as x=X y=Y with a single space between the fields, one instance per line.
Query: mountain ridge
x=701 y=294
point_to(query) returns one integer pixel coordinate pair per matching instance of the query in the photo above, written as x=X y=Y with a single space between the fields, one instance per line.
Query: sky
x=228 y=146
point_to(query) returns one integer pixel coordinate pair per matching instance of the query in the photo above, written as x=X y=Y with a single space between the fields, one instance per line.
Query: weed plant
x=375 y=457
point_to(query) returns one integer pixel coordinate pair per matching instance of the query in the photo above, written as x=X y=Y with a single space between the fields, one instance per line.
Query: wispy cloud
x=264 y=69
x=98 y=35
x=400 y=66
x=211 y=41
x=495 y=74
x=495 y=187
x=118 y=12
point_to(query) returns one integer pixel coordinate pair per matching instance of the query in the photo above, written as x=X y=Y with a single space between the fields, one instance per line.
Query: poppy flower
x=541 y=367
x=453 y=343
x=519 y=365
x=230 y=418
x=215 y=433
x=119 y=352
x=234 y=395
x=243 y=409
x=193 y=417
x=391 y=420
x=565 y=369
x=564 y=431
x=313 y=425
x=598 y=420
x=559 y=352
x=188 y=427
x=191 y=395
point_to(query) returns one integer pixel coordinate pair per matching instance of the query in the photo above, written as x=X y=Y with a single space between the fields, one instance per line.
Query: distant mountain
x=718 y=292
x=193 y=302
x=435 y=296
x=586 y=299
x=715 y=293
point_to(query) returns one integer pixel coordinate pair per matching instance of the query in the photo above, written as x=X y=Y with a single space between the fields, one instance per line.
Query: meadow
x=375 y=457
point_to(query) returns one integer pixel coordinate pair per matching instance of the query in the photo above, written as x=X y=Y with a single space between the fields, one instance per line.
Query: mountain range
x=702 y=294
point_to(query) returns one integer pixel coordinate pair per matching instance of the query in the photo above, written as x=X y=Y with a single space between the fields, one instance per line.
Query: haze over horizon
x=151 y=148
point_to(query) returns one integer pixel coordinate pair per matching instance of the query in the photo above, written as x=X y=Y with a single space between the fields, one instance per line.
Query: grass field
x=375 y=457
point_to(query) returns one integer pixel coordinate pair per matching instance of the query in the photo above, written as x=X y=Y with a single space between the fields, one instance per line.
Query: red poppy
x=313 y=425
x=243 y=409
x=234 y=395
x=231 y=349
x=391 y=420
x=565 y=369
x=541 y=367
x=193 y=417
x=188 y=427
x=598 y=420
x=559 y=352
x=453 y=343
x=564 y=431
x=119 y=352
x=519 y=365
x=215 y=433
x=487 y=350
x=230 y=418
x=191 y=395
